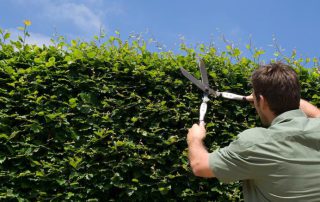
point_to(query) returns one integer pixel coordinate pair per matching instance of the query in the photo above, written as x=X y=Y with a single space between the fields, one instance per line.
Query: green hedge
x=108 y=121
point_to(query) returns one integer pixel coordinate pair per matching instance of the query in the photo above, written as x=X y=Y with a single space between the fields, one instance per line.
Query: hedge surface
x=90 y=121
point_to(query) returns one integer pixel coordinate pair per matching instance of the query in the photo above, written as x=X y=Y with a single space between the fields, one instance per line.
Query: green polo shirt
x=279 y=163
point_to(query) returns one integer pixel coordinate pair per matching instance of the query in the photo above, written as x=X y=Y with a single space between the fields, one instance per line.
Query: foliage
x=108 y=120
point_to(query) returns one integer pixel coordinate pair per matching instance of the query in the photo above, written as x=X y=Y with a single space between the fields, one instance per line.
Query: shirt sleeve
x=243 y=159
x=228 y=166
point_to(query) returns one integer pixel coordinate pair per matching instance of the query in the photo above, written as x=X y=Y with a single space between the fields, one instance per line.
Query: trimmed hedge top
x=83 y=121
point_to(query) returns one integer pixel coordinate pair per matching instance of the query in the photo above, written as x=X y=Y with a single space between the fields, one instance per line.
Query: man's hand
x=249 y=98
x=309 y=109
x=196 y=133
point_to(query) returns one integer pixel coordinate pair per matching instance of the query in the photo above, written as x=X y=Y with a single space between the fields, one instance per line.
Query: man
x=278 y=163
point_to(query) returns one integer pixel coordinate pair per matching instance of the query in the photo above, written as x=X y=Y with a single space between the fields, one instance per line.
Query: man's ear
x=263 y=102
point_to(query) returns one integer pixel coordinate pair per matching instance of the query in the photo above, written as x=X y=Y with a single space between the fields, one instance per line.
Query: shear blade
x=204 y=74
x=198 y=83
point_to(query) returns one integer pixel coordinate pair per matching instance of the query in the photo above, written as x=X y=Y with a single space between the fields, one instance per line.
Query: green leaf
x=61 y=181
x=2 y=159
x=315 y=60
x=134 y=119
x=51 y=62
x=74 y=162
x=38 y=60
x=70 y=194
x=9 y=70
x=39 y=173
x=172 y=139
x=13 y=134
x=7 y=36
x=116 y=178
x=91 y=54
x=308 y=60
x=4 y=136
x=164 y=190
x=73 y=102
x=53 y=116
x=36 y=127
x=52 y=59
x=77 y=54
x=225 y=71
x=315 y=96
x=236 y=52
x=74 y=43
x=135 y=180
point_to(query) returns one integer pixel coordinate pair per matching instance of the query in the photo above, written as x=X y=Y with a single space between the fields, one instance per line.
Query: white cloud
x=73 y=19
x=86 y=16
x=79 y=14
x=35 y=38
x=39 y=39
x=95 y=2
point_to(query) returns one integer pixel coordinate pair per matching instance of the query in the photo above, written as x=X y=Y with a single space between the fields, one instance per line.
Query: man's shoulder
x=257 y=133
x=249 y=138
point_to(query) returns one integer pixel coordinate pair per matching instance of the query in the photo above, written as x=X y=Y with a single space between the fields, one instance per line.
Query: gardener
x=278 y=163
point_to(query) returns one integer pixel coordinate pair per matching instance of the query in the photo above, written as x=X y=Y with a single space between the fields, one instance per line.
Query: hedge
x=107 y=121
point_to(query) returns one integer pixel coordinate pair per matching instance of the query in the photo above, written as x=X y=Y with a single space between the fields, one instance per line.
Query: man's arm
x=198 y=155
x=309 y=109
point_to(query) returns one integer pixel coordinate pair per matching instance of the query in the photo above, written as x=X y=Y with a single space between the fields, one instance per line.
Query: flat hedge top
x=83 y=121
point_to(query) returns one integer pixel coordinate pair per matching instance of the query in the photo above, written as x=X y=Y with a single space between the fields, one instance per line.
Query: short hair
x=279 y=85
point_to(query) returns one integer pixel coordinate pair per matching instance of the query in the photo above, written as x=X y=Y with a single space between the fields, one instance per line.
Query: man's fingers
x=249 y=98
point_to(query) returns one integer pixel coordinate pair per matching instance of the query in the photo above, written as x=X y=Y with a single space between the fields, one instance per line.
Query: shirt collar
x=288 y=115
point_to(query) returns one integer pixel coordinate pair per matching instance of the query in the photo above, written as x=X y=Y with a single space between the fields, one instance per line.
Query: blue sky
x=294 y=24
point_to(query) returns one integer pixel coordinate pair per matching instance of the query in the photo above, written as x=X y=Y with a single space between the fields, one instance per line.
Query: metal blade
x=204 y=74
x=198 y=83
x=192 y=79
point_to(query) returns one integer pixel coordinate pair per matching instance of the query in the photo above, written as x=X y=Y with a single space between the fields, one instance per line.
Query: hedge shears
x=203 y=85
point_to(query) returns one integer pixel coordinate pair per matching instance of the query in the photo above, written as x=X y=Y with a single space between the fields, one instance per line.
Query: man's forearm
x=199 y=159
x=309 y=109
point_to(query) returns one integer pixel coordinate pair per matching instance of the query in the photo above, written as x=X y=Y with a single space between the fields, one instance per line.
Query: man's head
x=277 y=86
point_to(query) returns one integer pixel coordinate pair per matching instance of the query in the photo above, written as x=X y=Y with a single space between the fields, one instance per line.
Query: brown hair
x=278 y=84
